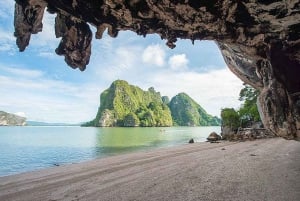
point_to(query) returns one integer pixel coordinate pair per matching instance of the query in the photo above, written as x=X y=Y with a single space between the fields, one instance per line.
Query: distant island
x=186 y=112
x=125 y=105
x=8 y=119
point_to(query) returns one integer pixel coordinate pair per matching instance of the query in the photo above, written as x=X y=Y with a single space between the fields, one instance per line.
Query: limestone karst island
x=8 y=119
x=126 y=105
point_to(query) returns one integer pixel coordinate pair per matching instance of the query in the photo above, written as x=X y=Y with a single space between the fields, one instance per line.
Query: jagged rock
x=76 y=40
x=107 y=119
x=28 y=20
x=243 y=134
x=191 y=141
x=7 y=119
x=257 y=125
x=213 y=137
x=259 y=40
x=227 y=133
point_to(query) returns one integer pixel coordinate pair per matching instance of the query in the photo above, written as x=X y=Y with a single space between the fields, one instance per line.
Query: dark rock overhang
x=259 y=39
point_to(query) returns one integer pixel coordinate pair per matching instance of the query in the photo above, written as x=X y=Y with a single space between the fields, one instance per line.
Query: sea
x=29 y=148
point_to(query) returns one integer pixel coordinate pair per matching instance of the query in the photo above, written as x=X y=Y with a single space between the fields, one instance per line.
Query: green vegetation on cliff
x=186 y=112
x=126 y=105
x=248 y=113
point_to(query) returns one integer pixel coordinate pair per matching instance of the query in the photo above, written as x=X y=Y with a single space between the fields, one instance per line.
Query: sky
x=39 y=85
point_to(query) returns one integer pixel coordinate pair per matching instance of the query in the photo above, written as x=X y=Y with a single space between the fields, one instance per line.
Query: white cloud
x=7 y=41
x=6 y=48
x=154 y=54
x=127 y=57
x=6 y=35
x=6 y=8
x=21 y=114
x=178 y=62
x=61 y=104
x=48 y=55
x=22 y=72
x=121 y=62
x=43 y=99
x=212 y=90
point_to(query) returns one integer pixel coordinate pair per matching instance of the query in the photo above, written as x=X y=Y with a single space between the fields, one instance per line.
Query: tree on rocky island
x=247 y=114
x=230 y=118
x=131 y=120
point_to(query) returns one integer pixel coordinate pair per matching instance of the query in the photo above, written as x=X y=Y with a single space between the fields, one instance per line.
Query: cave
x=259 y=40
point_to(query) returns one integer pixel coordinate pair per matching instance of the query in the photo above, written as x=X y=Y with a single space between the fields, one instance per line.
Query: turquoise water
x=25 y=149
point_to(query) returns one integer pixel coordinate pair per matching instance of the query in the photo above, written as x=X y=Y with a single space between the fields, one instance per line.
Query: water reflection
x=110 y=141
x=29 y=148
x=119 y=140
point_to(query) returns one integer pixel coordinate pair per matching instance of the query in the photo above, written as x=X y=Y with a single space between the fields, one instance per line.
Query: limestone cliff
x=186 y=112
x=259 y=39
x=7 y=119
x=126 y=105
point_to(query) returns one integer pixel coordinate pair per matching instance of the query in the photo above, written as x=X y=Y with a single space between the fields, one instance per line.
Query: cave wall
x=259 y=39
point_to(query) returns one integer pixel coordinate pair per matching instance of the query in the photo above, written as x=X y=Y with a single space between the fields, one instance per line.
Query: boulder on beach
x=213 y=137
x=191 y=141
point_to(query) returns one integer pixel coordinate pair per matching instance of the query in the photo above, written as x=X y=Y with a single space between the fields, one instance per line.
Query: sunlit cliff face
x=259 y=40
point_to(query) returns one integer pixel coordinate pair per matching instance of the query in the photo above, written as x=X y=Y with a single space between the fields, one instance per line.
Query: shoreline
x=265 y=169
x=66 y=145
x=141 y=151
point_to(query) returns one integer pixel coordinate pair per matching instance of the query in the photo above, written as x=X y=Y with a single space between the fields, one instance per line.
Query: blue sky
x=39 y=85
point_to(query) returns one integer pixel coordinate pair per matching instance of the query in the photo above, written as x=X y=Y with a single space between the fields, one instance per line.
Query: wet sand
x=267 y=169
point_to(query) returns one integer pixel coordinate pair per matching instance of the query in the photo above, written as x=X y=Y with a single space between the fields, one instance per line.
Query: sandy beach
x=267 y=169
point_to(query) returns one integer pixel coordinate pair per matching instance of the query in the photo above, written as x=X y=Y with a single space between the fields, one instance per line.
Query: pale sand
x=267 y=169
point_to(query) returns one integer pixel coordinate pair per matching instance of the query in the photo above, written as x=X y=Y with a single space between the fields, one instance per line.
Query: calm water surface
x=25 y=149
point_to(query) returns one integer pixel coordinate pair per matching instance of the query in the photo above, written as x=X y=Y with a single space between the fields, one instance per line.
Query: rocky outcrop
x=191 y=141
x=76 y=40
x=7 y=119
x=106 y=119
x=186 y=112
x=227 y=133
x=260 y=40
x=246 y=134
x=213 y=137
x=126 y=105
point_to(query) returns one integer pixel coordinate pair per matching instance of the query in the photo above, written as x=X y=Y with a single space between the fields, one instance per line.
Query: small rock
x=213 y=137
x=191 y=141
